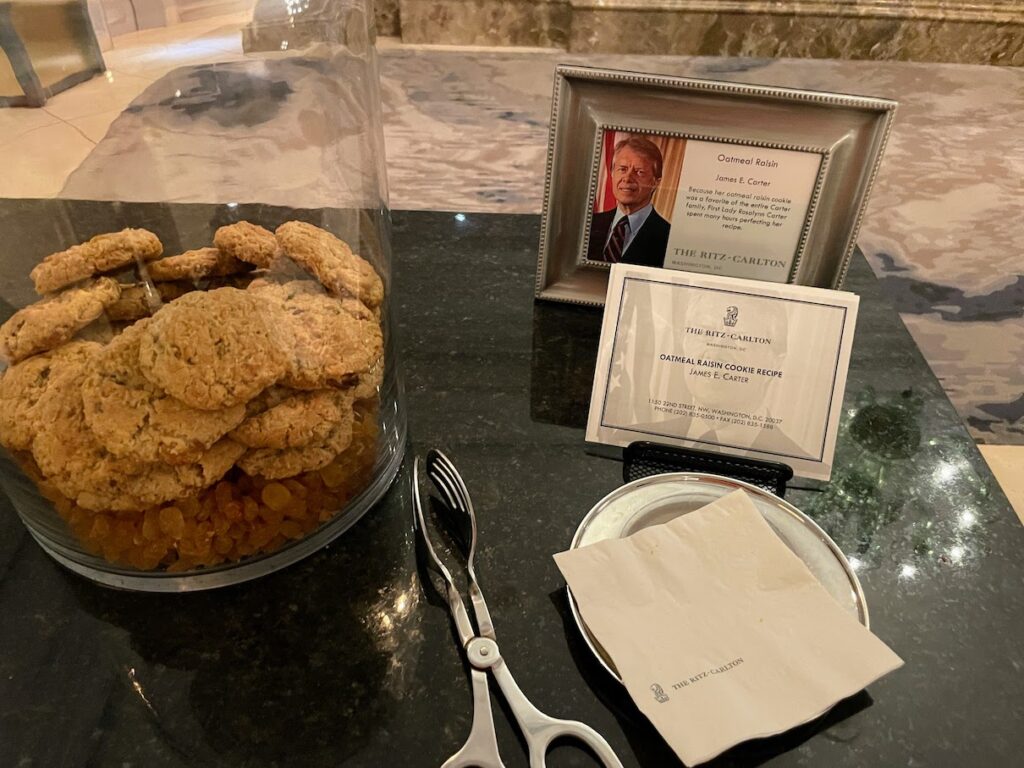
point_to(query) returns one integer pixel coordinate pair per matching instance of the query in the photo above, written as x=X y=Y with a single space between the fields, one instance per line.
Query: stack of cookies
x=228 y=405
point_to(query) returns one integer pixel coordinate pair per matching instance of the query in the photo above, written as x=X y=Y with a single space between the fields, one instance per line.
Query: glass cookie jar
x=201 y=383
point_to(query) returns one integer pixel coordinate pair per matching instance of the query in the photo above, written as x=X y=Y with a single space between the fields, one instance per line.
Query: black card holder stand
x=644 y=459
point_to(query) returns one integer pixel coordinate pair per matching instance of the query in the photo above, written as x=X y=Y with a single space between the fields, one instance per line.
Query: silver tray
x=654 y=500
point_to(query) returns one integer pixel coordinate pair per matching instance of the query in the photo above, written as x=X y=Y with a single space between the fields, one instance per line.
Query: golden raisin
x=272 y=516
x=295 y=487
x=222 y=545
x=172 y=522
x=189 y=507
x=232 y=511
x=260 y=537
x=221 y=524
x=296 y=509
x=333 y=475
x=250 y=508
x=276 y=496
x=100 y=527
x=223 y=494
x=181 y=564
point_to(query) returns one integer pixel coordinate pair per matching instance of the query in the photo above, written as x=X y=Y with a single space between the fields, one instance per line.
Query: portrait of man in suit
x=632 y=232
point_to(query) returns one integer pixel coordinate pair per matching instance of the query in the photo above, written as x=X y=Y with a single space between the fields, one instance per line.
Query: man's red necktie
x=617 y=242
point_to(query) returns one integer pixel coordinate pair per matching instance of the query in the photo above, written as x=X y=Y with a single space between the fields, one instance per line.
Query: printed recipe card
x=741 y=367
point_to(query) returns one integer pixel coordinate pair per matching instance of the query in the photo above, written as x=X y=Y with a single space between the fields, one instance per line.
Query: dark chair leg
x=12 y=45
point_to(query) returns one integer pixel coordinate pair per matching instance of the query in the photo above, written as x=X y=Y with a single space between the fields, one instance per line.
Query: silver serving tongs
x=539 y=730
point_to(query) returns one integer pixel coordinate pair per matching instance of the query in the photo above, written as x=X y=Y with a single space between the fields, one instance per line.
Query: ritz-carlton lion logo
x=731 y=315
x=659 y=693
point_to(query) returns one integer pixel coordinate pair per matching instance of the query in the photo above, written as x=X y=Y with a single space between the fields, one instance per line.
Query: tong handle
x=540 y=729
x=481 y=747
x=483 y=616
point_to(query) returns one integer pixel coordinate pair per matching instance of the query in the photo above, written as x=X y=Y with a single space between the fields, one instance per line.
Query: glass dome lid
x=201 y=383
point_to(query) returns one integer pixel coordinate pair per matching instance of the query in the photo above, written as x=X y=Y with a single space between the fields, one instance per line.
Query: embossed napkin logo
x=732 y=314
x=659 y=693
x=701 y=676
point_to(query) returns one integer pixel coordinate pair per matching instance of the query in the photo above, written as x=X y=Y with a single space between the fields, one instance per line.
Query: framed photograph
x=718 y=178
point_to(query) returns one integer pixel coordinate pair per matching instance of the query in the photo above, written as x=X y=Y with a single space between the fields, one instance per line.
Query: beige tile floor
x=41 y=147
x=1007 y=464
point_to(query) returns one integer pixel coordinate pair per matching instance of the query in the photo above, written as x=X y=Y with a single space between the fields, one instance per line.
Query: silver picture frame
x=848 y=132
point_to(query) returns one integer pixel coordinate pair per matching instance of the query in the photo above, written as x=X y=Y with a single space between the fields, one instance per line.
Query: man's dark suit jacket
x=647 y=247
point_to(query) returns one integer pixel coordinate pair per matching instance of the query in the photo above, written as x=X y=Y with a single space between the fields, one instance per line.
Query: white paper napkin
x=719 y=631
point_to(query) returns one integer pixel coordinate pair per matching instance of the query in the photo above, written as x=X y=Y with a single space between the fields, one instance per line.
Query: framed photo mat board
x=837 y=140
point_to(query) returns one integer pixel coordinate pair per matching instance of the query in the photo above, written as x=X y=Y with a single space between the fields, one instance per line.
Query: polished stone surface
x=537 y=23
x=344 y=660
x=908 y=30
x=956 y=10
x=799 y=36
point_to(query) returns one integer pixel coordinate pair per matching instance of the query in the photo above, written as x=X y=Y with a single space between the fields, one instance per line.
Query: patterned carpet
x=467 y=131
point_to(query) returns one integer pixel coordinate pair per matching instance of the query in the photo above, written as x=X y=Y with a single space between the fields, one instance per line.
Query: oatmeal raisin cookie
x=214 y=349
x=131 y=416
x=51 y=321
x=103 y=253
x=23 y=384
x=331 y=261
x=331 y=342
x=302 y=419
x=196 y=265
x=248 y=242
x=272 y=464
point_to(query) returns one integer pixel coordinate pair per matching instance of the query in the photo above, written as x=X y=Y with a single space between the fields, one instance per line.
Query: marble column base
x=915 y=30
